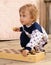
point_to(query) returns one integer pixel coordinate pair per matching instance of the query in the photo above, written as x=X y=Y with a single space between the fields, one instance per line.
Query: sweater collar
x=30 y=25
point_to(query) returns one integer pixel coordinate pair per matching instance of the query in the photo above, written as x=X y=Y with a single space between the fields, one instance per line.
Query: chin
x=23 y=24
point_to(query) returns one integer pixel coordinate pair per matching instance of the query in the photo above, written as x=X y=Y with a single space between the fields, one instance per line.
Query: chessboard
x=14 y=54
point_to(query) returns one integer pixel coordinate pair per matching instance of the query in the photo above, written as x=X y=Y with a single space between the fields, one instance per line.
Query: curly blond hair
x=32 y=9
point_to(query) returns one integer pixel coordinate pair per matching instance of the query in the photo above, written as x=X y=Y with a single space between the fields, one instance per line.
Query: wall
x=42 y=13
x=45 y=15
x=9 y=17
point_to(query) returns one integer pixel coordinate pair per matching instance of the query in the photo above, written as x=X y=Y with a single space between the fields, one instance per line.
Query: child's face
x=25 y=18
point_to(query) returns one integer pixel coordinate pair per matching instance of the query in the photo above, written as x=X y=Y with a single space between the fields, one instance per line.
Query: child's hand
x=16 y=29
x=25 y=52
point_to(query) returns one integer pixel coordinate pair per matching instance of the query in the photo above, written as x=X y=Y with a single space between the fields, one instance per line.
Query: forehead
x=25 y=12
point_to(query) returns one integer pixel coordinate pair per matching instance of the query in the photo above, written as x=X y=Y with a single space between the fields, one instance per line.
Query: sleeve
x=21 y=28
x=36 y=37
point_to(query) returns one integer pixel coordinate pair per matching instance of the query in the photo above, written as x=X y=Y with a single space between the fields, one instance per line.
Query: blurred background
x=9 y=16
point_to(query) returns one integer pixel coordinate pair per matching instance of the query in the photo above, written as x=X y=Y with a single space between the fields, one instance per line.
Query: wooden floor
x=16 y=45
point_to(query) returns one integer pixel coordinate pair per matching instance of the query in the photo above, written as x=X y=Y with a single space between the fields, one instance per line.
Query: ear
x=32 y=19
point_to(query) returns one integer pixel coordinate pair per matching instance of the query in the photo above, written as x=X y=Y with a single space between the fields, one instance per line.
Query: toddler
x=33 y=36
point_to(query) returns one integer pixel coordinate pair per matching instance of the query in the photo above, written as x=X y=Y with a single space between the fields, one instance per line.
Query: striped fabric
x=7 y=50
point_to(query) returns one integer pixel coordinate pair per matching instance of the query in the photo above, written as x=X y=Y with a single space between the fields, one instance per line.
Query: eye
x=24 y=15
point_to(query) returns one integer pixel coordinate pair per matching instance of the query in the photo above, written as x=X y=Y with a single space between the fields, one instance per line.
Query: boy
x=33 y=36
